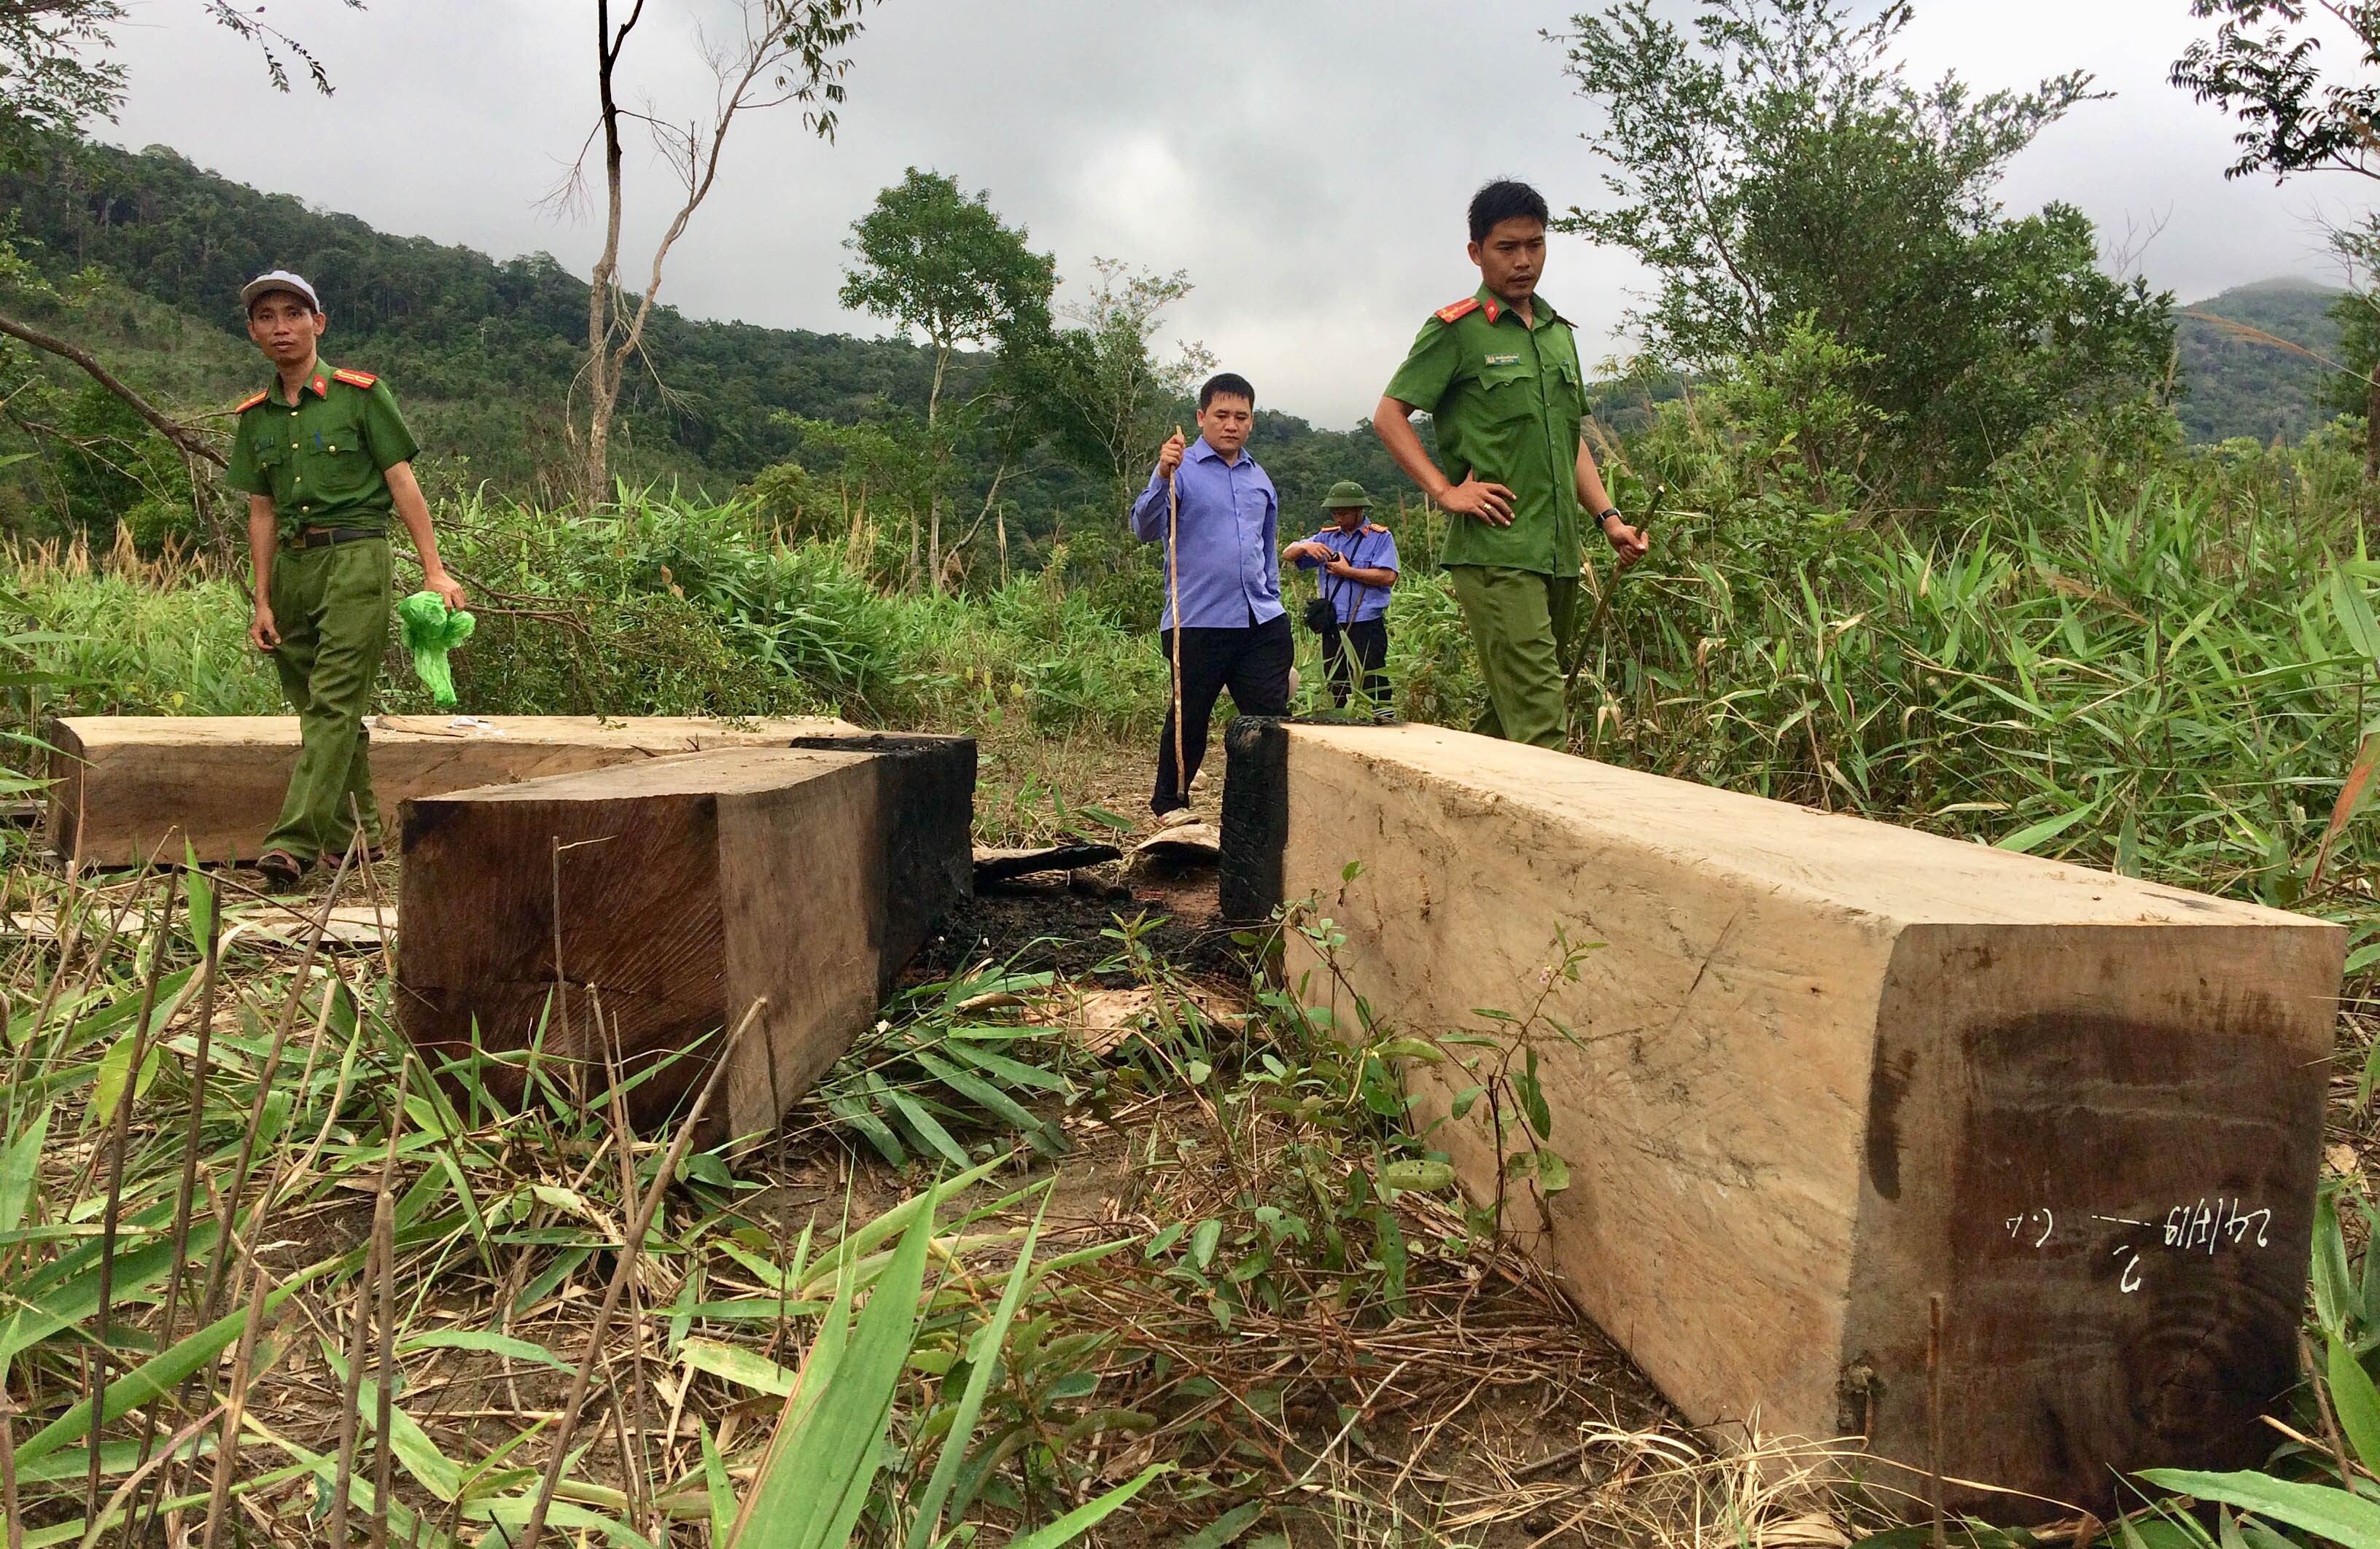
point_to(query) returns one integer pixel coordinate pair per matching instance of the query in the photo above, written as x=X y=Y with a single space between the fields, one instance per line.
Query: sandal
x=281 y=870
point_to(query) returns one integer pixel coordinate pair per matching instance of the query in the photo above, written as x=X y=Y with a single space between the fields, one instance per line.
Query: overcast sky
x=1304 y=161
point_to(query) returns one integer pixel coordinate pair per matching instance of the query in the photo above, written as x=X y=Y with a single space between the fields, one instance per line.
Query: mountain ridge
x=2235 y=385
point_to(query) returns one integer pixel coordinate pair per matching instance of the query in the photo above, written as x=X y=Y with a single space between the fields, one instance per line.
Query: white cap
x=278 y=279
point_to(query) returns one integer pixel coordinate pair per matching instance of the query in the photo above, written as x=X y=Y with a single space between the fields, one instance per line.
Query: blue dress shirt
x=1230 y=573
x=1369 y=547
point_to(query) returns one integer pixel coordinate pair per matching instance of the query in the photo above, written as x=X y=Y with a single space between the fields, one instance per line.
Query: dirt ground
x=1504 y=1421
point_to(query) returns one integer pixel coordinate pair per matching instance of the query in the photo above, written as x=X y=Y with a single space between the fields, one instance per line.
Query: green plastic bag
x=430 y=632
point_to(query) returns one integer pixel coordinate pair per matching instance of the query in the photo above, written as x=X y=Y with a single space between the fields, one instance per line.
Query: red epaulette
x=249 y=402
x=1374 y=527
x=1454 y=311
x=355 y=378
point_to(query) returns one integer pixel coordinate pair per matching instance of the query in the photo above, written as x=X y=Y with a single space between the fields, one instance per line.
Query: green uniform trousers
x=1521 y=623
x=331 y=605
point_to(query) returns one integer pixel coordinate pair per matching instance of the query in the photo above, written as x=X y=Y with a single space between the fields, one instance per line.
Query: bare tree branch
x=791 y=51
x=189 y=442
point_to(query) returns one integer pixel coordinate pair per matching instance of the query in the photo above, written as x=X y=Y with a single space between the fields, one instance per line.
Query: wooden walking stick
x=1173 y=581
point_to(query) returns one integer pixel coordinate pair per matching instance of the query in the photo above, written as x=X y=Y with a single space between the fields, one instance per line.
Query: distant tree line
x=484 y=352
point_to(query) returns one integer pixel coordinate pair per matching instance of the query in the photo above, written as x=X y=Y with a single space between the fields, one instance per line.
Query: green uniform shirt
x=1507 y=399
x=324 y=462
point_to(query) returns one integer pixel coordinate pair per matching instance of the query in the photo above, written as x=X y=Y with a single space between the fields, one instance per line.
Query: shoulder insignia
x=1374 y=527
x=249 y=402
x=355 y=378
x=1454 y=311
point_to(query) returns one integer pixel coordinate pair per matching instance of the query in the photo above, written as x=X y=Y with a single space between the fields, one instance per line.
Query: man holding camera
x=1358 y=560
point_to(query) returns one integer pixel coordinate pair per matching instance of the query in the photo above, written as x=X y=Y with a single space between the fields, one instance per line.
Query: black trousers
x=1253 y=662
x=1363 y=644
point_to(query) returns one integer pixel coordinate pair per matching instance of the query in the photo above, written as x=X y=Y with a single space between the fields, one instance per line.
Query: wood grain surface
x=685 y=889
x=1819 y=1071
x=130 y=789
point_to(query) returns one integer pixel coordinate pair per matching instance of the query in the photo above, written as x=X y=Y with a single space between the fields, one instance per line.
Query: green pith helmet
x=430 y=632
x=1346 y=494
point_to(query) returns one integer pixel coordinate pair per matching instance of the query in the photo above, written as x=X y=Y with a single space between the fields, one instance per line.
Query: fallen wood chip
x=355 y=926
x=438 y=726
x=1001 y=865
x=41 y=925
x=1189 y=842
x=1100 y=1020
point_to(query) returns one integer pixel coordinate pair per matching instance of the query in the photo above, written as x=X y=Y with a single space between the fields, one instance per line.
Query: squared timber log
x=1826 y=1070
x=129 y=788
x=689 y=887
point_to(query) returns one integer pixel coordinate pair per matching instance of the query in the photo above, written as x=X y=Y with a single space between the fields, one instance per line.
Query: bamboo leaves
x=2348 y=605
x=829 y=1443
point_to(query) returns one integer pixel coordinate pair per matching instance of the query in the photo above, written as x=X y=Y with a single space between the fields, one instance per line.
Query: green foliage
x=941 y=264
x=351 y=1109
x=1109 y=396
x=2270 y=77
x=2113 y=626
x=116 y=467
x=50 y=84
x=1776 y=170
x=830 y=1444
x=1806 y=433
x=482 y=352
x=665 y=606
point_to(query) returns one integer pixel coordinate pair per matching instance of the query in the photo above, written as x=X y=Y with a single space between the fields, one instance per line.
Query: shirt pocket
x=1508 y=391
x=344 y=449
x=1569 y=388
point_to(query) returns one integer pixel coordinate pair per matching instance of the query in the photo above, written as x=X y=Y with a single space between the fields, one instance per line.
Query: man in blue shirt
x=1358 y=560
x=1223 y=569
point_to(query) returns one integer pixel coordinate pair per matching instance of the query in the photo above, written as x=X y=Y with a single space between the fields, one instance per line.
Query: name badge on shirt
x=1504 y=360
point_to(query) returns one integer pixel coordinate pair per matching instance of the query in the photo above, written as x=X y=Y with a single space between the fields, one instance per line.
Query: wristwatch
x=1609 y=515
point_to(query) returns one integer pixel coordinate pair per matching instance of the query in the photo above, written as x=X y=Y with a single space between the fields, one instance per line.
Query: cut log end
x=688 y=889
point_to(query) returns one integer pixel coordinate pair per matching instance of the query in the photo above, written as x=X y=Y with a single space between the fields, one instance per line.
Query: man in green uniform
x=1499 y=374
x=325 y=459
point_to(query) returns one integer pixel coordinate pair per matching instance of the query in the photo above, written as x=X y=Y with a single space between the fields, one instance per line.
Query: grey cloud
x=1305 y=161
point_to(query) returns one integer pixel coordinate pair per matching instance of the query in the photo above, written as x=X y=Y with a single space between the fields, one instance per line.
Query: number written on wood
x=2202 y=1225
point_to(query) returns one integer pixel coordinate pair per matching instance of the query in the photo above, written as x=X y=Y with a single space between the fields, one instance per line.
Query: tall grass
x=2120 y=652
x=266 y=1277
x=2163 y=673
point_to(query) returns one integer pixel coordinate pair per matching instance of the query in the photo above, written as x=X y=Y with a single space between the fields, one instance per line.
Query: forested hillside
x=482 y=351
x=2240 y=384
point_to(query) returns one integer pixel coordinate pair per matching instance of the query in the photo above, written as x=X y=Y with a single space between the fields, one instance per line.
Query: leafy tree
x=1106 y=388
x=49 y=82
x=1771 y=163
x=880 y=461
x=55 y=76
x=942 y=264
x=2296 y=119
